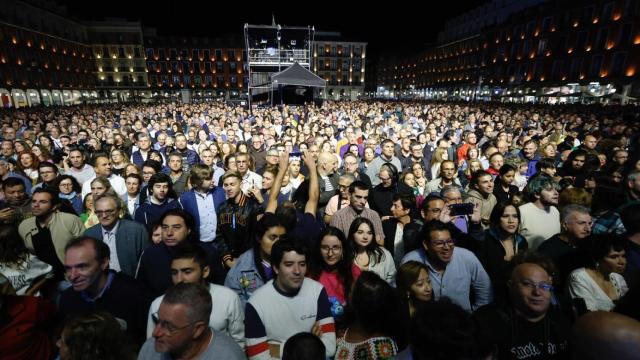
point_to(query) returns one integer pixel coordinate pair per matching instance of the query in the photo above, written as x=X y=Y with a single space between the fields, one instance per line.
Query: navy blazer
x=189 y=203
x=132 y=239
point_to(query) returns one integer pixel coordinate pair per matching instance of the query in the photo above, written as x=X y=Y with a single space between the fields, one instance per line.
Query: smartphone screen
x=461 y=209
x=295 y=156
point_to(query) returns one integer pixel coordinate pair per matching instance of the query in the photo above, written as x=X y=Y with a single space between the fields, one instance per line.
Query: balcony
x=269 y=57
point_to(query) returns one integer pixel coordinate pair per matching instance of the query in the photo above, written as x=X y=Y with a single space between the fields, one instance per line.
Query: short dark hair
x=189 y=222
x=55 y=199
x=360 y=185
x=505 y=169
x=408 y=201
x=286 y=245
x=101 y=248
x=433 y=225
x=155 y=165
x=597 y=246
x=630 y=216
x=475 y=178
x=186 y=250
x=545 y=163
x=304 y=346
x=46 y=164
x=160 y=178
x=430 y=198
x=11 y=182
x=100 y=155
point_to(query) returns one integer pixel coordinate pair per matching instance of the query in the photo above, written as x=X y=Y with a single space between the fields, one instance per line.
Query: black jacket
x=236 y=226
x=491 y=254
x=154 y=269
x=517 y=338
x=501 y=195
x=408 y=235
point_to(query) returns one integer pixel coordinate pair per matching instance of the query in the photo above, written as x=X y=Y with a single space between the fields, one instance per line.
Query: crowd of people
x=351 y=230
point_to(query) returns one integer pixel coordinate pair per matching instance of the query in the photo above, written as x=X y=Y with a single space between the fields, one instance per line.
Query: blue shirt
x=208 y=216
x=461 y=274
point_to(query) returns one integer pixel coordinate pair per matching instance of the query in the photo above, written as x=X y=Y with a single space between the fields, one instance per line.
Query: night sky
x=402 y=29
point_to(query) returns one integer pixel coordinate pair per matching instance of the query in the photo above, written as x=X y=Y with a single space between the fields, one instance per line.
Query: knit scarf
x=69 y=197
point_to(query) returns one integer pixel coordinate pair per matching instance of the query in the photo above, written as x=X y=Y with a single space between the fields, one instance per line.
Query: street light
x=279 y=37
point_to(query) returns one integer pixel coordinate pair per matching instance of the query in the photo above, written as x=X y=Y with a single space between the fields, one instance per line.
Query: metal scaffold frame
x=271 y=49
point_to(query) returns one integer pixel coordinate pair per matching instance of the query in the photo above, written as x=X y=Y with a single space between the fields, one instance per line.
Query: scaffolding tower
x=271 y=49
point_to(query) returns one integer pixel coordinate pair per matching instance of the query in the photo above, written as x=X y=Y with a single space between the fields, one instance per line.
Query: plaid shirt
x=608 y=223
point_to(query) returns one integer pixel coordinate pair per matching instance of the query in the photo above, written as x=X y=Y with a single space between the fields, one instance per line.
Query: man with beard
x=17 y=204
x=540 y=218
x=75 y=166
x=48 y=231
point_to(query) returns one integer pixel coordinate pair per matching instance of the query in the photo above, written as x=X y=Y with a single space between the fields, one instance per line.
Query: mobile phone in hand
x=295 y=156
x=461 y=209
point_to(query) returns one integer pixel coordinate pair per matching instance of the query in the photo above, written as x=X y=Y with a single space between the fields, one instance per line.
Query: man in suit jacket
x=126 y=239
x=203 y=201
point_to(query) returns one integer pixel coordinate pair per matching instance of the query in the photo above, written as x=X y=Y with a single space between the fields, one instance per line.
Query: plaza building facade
x=550 y=52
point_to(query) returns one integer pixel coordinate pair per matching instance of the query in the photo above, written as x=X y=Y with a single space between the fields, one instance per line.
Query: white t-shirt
x=537 y=225
x=22 y=276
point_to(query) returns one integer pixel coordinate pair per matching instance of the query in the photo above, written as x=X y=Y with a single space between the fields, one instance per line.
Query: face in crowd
x=439 y=246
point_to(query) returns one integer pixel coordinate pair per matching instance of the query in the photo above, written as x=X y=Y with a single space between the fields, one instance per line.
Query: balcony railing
x=286 y=57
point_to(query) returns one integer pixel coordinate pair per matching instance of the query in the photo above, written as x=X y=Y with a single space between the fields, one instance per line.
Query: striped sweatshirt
x=272 y=317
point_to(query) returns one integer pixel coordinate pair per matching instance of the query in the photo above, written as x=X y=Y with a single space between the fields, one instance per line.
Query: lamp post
x=279 y=55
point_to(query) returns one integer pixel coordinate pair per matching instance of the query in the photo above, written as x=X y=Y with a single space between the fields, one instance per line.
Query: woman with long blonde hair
x=438 y=157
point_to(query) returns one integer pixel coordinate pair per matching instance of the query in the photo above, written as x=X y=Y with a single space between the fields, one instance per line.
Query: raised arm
x=314 y=188
x=283 y=166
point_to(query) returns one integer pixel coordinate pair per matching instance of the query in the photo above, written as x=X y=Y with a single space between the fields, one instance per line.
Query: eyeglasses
x=384 y=179
x=442 y=243
x=333 y=249
x=105 y=212
x=167 y=326
x=532 y=285
x=65 y=185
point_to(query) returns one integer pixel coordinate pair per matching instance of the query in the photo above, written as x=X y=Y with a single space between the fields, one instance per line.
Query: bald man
x=527 y=327
x=327 y=178
x=606 y=335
